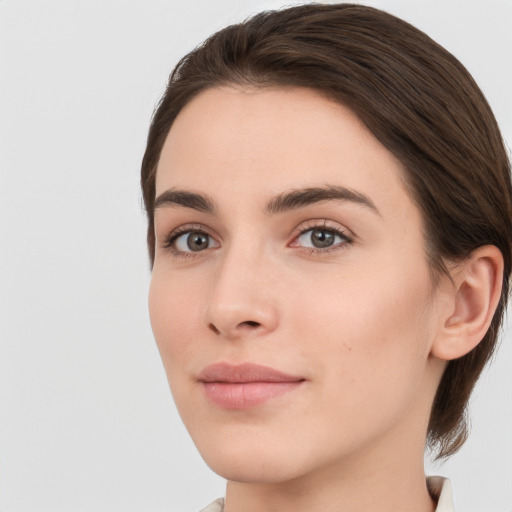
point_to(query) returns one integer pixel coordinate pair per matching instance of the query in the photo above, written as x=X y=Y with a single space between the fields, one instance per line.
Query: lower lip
x=245 y=395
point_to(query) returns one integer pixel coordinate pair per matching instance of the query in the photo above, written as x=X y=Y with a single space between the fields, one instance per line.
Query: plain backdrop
x=86 y=420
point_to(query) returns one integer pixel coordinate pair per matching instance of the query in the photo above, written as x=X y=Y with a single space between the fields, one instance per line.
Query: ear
x=472 y=299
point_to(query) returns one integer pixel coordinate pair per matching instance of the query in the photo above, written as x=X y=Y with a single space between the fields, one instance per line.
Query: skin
x=360 y=321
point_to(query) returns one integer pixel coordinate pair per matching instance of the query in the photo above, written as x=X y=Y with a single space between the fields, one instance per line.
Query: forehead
x=261 y=142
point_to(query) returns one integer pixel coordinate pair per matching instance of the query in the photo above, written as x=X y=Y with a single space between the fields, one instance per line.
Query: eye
x=321 y=238
x=190 y=241
x=194 y=241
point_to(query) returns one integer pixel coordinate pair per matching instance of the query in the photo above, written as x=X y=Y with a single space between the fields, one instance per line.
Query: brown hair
x=421 y=104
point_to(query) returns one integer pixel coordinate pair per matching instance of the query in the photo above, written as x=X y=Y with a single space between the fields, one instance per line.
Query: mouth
x=246 y=385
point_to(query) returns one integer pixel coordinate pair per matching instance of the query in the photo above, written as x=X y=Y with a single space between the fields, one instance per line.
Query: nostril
x=214 y=329
x=234 y=329
x=251 y=323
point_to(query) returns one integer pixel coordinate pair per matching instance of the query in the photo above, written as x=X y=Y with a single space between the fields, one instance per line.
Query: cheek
x=376 y=325
x=175 y=315
x=370 y=347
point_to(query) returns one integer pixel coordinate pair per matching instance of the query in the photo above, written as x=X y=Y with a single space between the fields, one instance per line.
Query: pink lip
x=246 y=385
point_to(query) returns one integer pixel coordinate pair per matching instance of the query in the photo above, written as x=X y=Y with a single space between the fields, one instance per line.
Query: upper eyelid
x=186 y=228
x=322 y=223
x=336 y=231
x=345 y=238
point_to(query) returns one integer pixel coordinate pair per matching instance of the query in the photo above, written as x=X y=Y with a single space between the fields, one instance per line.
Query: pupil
x=321 y=238
x=197 y=241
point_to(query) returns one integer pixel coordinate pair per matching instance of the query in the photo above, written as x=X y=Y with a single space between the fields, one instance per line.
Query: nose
x=242 y=303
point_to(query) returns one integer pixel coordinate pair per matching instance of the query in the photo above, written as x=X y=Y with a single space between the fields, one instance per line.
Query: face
x=291 y=299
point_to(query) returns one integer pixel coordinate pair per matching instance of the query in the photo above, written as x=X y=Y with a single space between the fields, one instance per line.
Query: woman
x=329 y=219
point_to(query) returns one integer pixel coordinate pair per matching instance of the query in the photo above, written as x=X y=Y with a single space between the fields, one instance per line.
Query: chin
x=248 y=467
x=256 y=460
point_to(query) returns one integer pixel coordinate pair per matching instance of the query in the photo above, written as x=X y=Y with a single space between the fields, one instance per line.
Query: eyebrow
x=286 y=201
x=303 y=197
x=176 y=197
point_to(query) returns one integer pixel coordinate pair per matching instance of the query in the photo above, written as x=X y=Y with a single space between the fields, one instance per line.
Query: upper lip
x=245 y=372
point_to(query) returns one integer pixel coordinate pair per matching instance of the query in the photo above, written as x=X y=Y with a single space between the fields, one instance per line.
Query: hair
x=417 y=99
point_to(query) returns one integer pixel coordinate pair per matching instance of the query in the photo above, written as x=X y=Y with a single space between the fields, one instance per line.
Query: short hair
x=417 y=99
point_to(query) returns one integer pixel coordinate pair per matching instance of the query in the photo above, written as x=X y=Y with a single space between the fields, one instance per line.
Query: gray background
x=86 y=419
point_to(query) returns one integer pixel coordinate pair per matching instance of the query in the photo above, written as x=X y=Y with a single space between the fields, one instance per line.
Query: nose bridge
x=240 y=300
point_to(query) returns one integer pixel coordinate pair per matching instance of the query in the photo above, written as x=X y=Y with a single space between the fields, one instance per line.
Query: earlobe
x=473 y=299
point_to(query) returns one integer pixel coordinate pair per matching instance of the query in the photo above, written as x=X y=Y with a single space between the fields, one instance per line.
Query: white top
x=440 y=488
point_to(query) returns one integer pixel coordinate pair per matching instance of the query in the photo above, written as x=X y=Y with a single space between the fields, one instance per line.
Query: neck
x=382 y=479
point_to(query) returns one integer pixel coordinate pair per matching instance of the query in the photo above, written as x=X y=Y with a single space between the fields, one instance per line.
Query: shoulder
x=216 y=506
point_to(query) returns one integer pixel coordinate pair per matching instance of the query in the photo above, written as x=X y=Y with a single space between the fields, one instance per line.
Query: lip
x=246 y=385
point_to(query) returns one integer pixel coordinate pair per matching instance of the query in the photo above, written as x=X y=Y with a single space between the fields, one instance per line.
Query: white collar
x=440 y=489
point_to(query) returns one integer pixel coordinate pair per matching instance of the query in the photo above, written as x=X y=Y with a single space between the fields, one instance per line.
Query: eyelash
x=324 y=226
x=169 y=242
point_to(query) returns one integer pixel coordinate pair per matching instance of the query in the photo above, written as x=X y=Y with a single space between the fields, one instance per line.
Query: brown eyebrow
x=281 y=203
x=175 y=197
x=306 y=196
